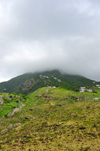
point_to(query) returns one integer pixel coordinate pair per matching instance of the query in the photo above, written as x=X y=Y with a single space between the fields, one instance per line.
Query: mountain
x=49 y=118
x=29 y=82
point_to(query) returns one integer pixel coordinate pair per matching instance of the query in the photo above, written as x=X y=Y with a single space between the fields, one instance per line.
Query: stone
x=35 y=105
x=46 y=91
x=17 y=124
x=21 y=105
x=26 y=118
x=4 y=131
x=12 y=126
x=9 y=100
x=1 y=100
x=14 y=111
x=31 y=109
x=51 y=92
x=33 y=118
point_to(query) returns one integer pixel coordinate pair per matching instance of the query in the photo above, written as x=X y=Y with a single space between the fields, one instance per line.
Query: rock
x=12 y=126
x=17 y=124
x=35 y=105
x=21 y=104
x=10 y=114
x=60 y=105
x=4 y=131
x=9 y=100
x=46 y=91
x=26 y=118
x=31 y=109
x=14 y=111
x=26 y=85
x=51 y=92
x=1 y=100
x=33 y=118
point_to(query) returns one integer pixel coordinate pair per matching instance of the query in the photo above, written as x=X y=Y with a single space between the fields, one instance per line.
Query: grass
x=64 y=120
x=10 y=101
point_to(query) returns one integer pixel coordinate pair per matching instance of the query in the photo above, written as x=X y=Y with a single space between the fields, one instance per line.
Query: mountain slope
x=55 y=78
x=11 y=85
x=53 y=119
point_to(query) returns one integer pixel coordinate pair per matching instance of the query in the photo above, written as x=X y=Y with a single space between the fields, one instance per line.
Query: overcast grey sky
x=37 y=35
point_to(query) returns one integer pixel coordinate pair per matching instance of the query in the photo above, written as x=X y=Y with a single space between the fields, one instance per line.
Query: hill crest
x=67 y=81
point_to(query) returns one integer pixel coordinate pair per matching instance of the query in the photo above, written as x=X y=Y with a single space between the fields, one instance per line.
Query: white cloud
x=39 y=35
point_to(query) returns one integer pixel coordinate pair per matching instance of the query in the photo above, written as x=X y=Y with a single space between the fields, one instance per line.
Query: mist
x=44 y=35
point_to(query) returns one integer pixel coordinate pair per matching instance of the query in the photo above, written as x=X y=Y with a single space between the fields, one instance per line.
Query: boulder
x=21 y=104
x=1 y=100
x=4 y=131
x=46 y=91
x=35 y=105
x=33 y=118
x=9 y=100
x=17 y=124
x=26 y=118
x=31 y=109
x=51 y=92
x=14 y=111
x=12 y=126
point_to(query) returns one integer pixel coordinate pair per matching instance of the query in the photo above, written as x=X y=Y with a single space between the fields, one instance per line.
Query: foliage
x=63 y=120
x=69 y=82
x=10 y=101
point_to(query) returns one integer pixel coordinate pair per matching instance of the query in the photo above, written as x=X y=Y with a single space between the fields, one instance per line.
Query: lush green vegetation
x=10 y=101
x=69 y=82
x=12 y=85
x=52 y=119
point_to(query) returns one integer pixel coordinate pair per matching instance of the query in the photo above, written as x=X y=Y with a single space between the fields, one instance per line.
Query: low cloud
x=45 y=35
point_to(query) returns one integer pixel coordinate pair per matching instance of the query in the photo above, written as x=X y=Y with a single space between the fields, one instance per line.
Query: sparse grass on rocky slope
x=54 y=119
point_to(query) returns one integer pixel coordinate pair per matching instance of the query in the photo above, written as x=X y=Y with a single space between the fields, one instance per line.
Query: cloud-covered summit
x=40 y=35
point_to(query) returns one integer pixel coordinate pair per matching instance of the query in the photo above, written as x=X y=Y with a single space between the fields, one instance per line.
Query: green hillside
x=50 y=119
x=30 y=82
